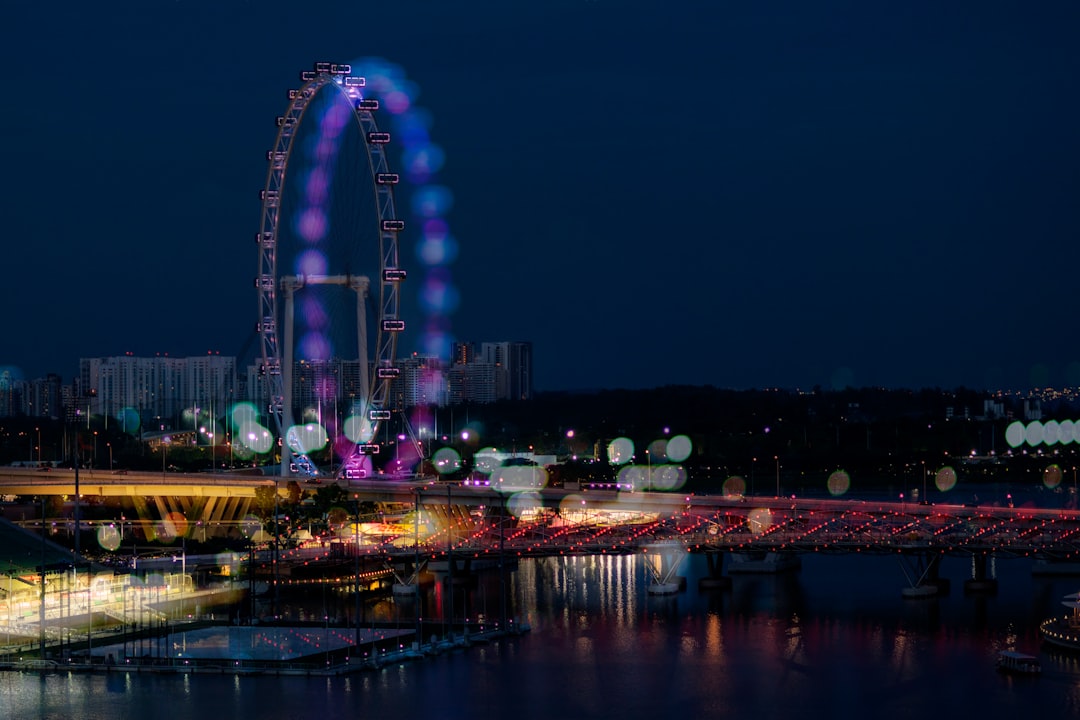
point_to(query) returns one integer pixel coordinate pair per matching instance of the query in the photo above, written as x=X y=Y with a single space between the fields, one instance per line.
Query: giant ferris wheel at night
x=328 y=278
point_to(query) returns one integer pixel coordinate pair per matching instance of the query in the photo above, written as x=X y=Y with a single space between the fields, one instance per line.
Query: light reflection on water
x=834 y=639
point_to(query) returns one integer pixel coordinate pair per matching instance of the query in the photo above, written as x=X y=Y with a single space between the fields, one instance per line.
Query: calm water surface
x=833 y=640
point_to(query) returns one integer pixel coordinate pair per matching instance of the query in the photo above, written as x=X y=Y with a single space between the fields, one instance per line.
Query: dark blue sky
x=739 y=194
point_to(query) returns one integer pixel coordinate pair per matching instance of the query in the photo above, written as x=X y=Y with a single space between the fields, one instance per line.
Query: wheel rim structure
x=276 y=378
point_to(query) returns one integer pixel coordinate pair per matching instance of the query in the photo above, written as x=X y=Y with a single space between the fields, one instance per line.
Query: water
x=833 y=640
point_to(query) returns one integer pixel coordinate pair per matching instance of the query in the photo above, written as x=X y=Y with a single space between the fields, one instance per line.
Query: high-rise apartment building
x=163 y=388
x=495 y=371
x=513 y=368
x=422 y=382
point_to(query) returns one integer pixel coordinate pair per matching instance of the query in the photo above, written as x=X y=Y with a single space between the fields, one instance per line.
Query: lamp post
x=923 y=481
x=38 y=445
x=648 y=465
x=753 y=461
x=109 y=445
x=777 y=459
x=95 y=449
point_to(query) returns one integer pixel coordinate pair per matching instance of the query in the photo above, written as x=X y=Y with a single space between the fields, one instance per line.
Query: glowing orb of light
x=1033 y=433
x=311 y=262
x=422 y=162
x=171 y=527
x=358 y=428
x=522 y=503
x=1014 y=434
x=620 y=451
x=108 y=537
x=307 y=438
x=635 y=477
x=759 y=520
x=129 y=420
x=838 y=483
x=438 y=294
x=315 y=345
x=254 y=436
x=679 y=448
x=1067 y=429
x=243 y=412
x=486 y=460
x=432 y=201
x=734 y=486
x=668 y=477
x=446 y=460
x=658 y=450
x=519 y=478
x=1051 y=432
x=437 y=249
x=1052 y=477
x=945 y=479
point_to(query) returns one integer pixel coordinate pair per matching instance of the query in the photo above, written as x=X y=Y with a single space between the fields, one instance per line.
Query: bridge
x=436 y=520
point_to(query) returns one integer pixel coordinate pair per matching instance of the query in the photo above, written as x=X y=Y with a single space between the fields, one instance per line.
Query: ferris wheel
x=364 y=270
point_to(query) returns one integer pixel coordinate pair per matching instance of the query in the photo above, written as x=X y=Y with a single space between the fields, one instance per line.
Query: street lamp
x=109 y=445
x=38 y=445
x=753 y=461
x=777 y=459
x=648 y=478
x=924 y=481
x=95 y=449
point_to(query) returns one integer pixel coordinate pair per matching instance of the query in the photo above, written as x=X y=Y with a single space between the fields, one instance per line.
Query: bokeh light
x=1052 y=477
x=253 y=436
x=1014 y=434
x=174 y=525
x=486 y=460
x=523 y=503
x=634 y=477
x=519 y=478
x=358 y=428
x=620 y=451
x=129 y=420
x=668 y=477
x=108 y=537
x=658 y=451
x=420 y=162
x=1033 y=433
x=838 y=483
x=446 y=460
x=307 y=438
x=759 y=520
x=679 y=448
x=945 y=479
x=734 y=486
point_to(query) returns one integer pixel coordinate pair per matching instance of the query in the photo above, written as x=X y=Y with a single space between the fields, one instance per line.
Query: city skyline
x=739 y=197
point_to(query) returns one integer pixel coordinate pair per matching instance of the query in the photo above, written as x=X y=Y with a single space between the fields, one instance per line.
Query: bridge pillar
x=715 y=580
x=663 y=560
x=980 y=581
x=927 y=580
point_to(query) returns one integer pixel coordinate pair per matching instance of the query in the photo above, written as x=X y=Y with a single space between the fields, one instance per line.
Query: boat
x=1064 y=632
x=1017 y=662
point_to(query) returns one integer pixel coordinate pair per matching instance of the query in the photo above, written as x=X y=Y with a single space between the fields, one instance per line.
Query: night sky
x=740 y=194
